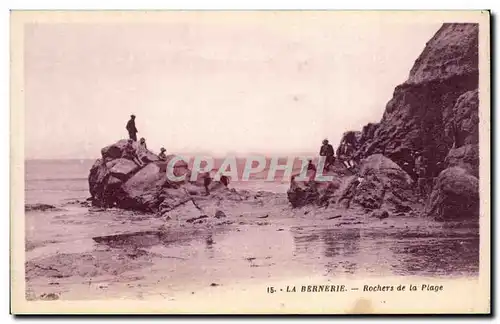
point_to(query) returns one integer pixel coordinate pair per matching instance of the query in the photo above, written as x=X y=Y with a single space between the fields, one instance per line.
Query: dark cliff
x=436 y=105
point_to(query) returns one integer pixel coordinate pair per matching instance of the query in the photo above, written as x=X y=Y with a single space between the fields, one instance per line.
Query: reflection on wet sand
x=155 y=258
x=393 y=252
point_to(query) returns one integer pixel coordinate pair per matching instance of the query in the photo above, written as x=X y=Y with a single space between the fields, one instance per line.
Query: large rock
x=455 y=196
x=118 y=182
x=466 y=157
x=173 y=198
x=121 y=168
x=143 y=190
x=441 y=90
x=302 y=193
x=312 y=192
x=98 y=177
x=381 y=184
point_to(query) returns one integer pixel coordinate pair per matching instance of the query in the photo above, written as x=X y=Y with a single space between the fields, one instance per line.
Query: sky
x=204 y=85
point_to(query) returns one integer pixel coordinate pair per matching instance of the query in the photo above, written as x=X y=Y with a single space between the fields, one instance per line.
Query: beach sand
x=260 y=240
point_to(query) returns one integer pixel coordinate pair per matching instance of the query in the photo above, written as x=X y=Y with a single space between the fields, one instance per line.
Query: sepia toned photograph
x=250 y=162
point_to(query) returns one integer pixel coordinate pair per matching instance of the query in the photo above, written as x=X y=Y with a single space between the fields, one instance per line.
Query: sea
x=56 y=181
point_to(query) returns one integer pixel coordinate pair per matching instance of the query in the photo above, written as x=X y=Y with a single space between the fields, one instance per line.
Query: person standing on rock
x=327 y=151
x=132 y=130
x=311 y=167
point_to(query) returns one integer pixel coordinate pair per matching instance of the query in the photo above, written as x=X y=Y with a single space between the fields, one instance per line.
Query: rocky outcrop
x=435 y=107
x=119 y=182
x=143 y=190
x=121 y=168
x=455 y=196
x=381 y=184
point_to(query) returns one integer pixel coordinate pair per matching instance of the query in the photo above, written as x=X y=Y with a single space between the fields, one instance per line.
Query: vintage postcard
x=250 y=162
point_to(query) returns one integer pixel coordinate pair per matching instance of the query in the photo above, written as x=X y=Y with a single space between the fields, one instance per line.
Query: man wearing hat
x=327 y=151
x=132 y=130
x=162 y=156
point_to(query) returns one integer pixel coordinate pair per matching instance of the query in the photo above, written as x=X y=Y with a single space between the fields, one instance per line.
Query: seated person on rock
x=142 y=143
x=162 y=156
x=311 y=166
x=347 y=150
x=130 y=153
x=142 y=151
x=224 y=180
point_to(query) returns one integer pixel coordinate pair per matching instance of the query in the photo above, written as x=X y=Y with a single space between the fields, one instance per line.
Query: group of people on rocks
x=345 y=154
x=140 y=155
x=416 y=165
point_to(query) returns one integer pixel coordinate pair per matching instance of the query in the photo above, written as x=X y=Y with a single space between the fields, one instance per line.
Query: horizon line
x=237 y=155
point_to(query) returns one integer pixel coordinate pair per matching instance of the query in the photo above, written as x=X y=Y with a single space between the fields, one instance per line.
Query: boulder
x=194 y=190
x=466 y=157
x=188 y=211
x=312 y=192
x=380 y=214
x=455 y=196
x=302 y=194
x=173 y=198
x=142 y=191
x=115 y=151
x=97 y=179
x=464 y=116
x=221 y=192
x=121 y=168
x=381 y=184
x=219 y=214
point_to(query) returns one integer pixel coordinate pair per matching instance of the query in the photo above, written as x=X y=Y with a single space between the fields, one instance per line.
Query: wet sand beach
x=261 y=240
